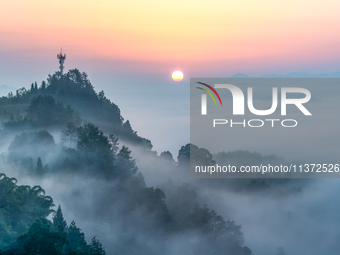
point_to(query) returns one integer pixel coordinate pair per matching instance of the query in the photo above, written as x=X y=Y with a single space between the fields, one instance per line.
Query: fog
x=304 y=222
x=136 y=200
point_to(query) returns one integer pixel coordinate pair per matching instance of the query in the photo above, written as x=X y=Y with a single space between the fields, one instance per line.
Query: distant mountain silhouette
x=291 y=75
x=303 y=75
x=273 y=75
x=240 y=75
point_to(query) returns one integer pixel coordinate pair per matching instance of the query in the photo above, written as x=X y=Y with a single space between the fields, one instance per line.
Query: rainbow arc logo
x=209 y=93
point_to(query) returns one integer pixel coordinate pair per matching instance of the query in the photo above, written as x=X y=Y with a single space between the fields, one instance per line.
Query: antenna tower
x=61 y=58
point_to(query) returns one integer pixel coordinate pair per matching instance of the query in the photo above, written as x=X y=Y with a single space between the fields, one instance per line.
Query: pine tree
x=39 y=168
x=76 y=238
x=58 y=220
x=40 y=239
x=96 y=248
x=43 y=86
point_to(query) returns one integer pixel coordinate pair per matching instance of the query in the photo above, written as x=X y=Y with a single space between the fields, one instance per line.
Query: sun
x=177 y=76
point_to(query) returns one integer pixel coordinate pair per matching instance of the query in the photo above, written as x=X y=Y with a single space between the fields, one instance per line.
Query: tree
x=101 y=96
x=21 y=92
x=195 y=155
x=95 y=147
x=166 y=155
x=28 y=146
x=125 y=162
x=39 y=168
x=76 y=240
x=43 y=86
x=96 y=248
x=90 y=138
x=46 y=111
x=41 y=240
x=20 y=206
x=127 y=129
x=58 y=220
x=69 y=134
x=114 y=143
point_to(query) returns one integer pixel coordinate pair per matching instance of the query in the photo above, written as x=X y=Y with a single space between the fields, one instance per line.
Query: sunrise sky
x=130 y=48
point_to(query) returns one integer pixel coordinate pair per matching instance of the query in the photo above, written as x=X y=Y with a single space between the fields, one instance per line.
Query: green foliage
x=152 y=202
x=96 y=248
x=166 y=155
x=39 y=170
x=125 y=164
x=87 y=152
x=58 y=220
x=19 y=207
x=76 y=240
x=69 y=134
x=28 y=146
x=98 y=151
x=43 y=87
x=73 y=89
x=200 y=156
x=189 y=216
x=95 y=147
x=41 y=239
x=21 y=92
x=92 y=140
x=46 y=111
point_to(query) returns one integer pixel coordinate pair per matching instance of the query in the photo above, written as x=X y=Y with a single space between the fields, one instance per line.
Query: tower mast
x=61 y=58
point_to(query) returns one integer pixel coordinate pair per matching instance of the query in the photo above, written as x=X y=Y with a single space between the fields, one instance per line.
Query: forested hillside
x=64 y=135
x=24 y=228
x=62 y=99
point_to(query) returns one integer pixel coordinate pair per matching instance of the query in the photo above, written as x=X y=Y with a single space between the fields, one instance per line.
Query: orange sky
x=130 y=48
x=171 y=30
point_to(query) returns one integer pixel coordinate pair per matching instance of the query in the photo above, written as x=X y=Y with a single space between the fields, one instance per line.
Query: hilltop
x=62 y=99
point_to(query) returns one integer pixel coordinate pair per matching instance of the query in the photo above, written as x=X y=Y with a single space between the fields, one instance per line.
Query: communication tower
x=61 y=58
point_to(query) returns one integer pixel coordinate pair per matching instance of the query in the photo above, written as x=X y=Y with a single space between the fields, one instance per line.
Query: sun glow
x=177 y=76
